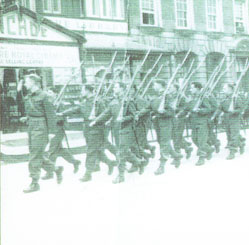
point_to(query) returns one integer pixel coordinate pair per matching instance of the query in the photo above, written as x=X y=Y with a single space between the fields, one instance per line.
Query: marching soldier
x=94 y=135
x=123 y=130
x=163 y=123
x=40 y=115
x=55 y=147
x=199 y=116
x=232 y=109
x=179 y=126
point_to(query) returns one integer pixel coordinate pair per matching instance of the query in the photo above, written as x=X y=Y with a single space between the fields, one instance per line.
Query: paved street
x=190 y=205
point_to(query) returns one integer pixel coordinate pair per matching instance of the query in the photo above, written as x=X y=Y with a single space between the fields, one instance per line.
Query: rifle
x=179 y=94
x=93 y=111
x=116 y=75
x=147 y=74
x=57 y=101
x=210 y=81
x=121 y=112
x=162 y=104
x=236 y=90
x=151 y=80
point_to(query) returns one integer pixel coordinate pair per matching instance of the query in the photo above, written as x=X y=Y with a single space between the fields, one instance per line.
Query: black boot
x=160 y=170
x=133 y=169
x=49 y=175
x=96 y=168
x=111 y=166
x=34 y=186
x=201 y=161
x=176 y=162
x=231 y=155
x=209 y=154
x=119 y=179
x=87 y=177
x=76 y=165
x=242 y=149
x=58 y=172
x=188 y=152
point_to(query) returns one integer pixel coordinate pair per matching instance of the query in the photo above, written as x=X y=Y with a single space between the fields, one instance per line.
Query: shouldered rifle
x=236 y=90
x=151 y=80
x=121 y=112
x=93 y=111
x=147 y=74
x=57 y=101
x=162 y=104
x=208 y=84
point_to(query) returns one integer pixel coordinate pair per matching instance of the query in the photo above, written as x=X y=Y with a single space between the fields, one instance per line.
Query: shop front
x=32 y=44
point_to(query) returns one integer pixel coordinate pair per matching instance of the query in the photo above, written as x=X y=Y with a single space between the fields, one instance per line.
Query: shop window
x=30 y=4
x=151 y=13
x=214 y=15
x=52 y=6
x=184 y=14
x=109 y=9
x=241 y=16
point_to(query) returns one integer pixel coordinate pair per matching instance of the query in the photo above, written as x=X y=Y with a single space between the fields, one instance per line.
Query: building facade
x=210 y=29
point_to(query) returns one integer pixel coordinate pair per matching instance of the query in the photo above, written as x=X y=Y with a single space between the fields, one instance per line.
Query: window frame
x=219 y=17
x=190 y=16
x=157 y=13
x=50 y=7
x=32 y=4
x=245 y=16
x=120 y=9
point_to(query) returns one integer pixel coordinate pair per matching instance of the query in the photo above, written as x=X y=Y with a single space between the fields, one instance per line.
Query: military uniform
x=199 y=125
x=163 y=124
x=94 y=136
x=123 y=132
x=178 y=129
x=40 y=116
x=232 y=124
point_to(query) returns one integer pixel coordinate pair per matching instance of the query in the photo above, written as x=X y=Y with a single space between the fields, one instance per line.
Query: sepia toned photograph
x=124 y=122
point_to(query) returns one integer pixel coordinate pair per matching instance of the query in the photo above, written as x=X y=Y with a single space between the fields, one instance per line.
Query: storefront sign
x=25 y=27
x=21 y=55
x=91 y=25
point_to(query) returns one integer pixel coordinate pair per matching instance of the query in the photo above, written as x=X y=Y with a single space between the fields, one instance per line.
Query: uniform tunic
x=40 y=114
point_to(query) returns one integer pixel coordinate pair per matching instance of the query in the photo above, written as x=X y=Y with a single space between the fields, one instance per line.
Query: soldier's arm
x=205 y=108
x=71 y=111
x=103 y=117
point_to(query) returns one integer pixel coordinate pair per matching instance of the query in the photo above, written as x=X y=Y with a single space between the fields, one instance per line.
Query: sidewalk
x=14 y=147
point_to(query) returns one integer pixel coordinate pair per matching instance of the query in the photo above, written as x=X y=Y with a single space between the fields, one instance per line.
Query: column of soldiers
x=116 y=107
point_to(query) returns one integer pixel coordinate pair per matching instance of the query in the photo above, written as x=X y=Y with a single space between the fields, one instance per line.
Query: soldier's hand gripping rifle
x=147 y=74
x=126 y=97
x=58 y=99
x=236 y=90
x=162 y=104
x=93 y=111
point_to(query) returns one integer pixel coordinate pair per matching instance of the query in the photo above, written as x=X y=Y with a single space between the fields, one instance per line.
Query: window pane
x=56 y=7
x=148 y=19
x=45 y=5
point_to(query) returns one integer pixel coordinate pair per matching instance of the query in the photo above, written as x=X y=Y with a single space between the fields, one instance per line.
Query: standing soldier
x=40 y=115
x=232 y=108
x=163 y=123
x=94 y=135
x=199 y=111
x=123 y=130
